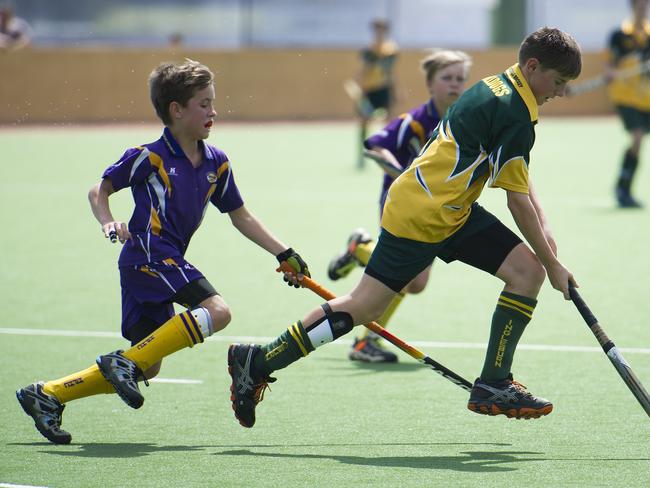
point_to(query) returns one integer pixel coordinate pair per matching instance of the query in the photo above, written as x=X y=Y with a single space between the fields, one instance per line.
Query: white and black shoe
x=369 y=350
x=46 y=412
x=123 y=374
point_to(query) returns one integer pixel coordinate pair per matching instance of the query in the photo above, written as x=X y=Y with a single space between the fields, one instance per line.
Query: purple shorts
x=149 y=290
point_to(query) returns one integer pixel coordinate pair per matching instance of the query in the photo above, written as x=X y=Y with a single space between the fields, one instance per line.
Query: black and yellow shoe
x=343 y=263
x=507 y=397
x=46 y=411
x=248 y=386
x=369 y=350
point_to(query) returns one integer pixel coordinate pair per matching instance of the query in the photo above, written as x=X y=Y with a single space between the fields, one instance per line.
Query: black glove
x=293 y=259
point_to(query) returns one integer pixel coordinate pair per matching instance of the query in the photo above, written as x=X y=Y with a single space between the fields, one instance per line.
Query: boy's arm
x=525 y=215
x=532 y=194
x=250 y=226
x=98 y=198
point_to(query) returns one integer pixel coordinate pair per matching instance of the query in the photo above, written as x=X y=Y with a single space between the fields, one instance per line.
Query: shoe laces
x=521 y=388
x=260 y=388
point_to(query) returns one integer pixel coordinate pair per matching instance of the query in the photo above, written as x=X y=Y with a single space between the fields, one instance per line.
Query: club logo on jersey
x=212 y=177
x=513 y=75
x=497 y=86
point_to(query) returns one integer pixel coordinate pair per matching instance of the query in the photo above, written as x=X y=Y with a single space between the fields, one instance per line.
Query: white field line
x=177 y=381
x=10 y=485
x=341 y=342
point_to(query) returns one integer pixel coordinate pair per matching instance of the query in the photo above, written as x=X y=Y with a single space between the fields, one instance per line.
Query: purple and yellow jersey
x=485 y=137
x=628 y=48
x=405 y=137
x=170 y=195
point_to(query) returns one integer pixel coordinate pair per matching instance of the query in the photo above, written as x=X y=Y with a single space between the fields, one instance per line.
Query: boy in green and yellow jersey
x=431 y=211
x=629 y=47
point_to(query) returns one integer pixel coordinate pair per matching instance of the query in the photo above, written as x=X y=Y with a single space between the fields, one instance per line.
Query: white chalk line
x=340 y=342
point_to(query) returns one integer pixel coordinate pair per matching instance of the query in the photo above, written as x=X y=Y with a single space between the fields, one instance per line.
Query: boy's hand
x=300 y=269
x=560 y=277
x=116 y=231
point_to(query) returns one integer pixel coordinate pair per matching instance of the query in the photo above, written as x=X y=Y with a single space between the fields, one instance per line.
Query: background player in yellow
x=395 y=147
x=376 y=78
x=431 y=211
x=629 y=47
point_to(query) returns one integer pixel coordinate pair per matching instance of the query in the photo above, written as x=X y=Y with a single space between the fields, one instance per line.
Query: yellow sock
x=78 y=385
x=177 y=333
x=363 y=252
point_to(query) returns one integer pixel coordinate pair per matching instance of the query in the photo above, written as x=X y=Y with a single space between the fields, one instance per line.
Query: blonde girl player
x=173 y=181
x=394 y=147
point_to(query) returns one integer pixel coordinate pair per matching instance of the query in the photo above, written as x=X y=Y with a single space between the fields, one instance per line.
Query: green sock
x=512 y=314
x=287 y=348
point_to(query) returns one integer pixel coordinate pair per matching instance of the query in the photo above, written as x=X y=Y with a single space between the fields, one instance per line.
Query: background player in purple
x=173 y=180
x=394 y=148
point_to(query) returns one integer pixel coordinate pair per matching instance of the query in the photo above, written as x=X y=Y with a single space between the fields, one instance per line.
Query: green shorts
x=633 y=118
x=482 y=242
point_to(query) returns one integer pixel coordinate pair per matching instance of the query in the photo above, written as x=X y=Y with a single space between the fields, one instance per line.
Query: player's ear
x=531 y=64
x=175 y=110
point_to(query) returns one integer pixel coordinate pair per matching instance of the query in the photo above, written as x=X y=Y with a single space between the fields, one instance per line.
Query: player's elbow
x=93 y=193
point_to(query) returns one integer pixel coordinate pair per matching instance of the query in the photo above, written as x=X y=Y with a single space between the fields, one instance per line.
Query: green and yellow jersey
x=628 y=47
x=378 y=62
x=485 y=137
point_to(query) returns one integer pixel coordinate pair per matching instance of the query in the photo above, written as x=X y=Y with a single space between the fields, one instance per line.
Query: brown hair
x=554 y=49
x=441 y=58
x=174 y=82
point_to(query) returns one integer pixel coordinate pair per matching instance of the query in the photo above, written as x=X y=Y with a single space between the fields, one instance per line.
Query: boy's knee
x=537 y=271
x=219 y=311
x=416 y=286
x=221 y=317
x=533 y=274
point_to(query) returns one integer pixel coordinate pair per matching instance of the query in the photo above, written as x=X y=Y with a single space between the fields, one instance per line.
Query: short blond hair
x=176 y=82
x=441 y=58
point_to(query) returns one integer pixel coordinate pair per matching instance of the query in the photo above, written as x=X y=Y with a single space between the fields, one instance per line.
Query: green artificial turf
x=327 y=422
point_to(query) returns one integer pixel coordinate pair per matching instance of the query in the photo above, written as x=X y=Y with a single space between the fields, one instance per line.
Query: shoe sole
x=232 y=391
x=133 y=403
x=55 y=440
x=513 y=413
x=335 y=273
x=364 y=358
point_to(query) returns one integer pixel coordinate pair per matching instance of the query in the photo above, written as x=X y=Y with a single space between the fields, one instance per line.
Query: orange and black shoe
x=507 y=397
x=369 y=350
x=343 y=263
x=247 y=387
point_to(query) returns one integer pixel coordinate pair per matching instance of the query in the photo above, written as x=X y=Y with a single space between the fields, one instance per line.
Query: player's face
x=198 y=116
x=546 y=84
x=448 y=84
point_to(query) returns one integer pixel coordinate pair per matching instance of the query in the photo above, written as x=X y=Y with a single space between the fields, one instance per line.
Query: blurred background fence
x=274 y=59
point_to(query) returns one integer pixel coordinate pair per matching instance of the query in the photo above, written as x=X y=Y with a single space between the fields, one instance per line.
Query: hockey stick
x=379 y=330
x=599 y=81
x=392 y=170
x=612 y=351
x=355 y=92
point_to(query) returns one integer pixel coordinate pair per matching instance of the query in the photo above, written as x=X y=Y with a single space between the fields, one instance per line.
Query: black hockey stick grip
x=582 y=307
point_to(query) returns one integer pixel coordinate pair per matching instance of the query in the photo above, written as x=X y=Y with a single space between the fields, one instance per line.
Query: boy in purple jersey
x=394 y=147
x=173 y=180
